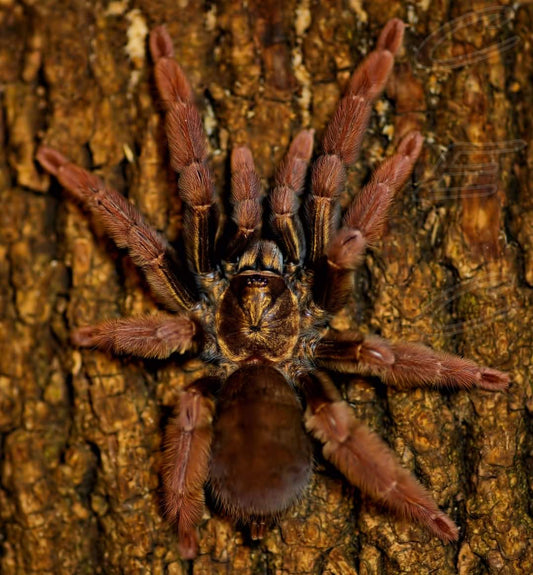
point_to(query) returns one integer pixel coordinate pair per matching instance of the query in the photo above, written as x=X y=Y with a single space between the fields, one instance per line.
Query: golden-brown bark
x=81 y=430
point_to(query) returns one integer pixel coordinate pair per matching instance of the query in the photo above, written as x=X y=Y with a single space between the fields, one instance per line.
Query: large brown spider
x=257 y=312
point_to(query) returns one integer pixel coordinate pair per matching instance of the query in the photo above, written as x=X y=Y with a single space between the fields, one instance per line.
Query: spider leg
x=405 y=365
x=246 y=200
x=366 y=461
x=343 y=137
x=185 y=463
x=188 y=153
x=363 y=224
x=290 y=181
x=155 y=336
x=126 y=226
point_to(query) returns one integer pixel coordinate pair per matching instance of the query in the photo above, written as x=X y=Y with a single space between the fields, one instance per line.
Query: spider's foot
x=188 y=543
x=493 y=380
x=443 y=527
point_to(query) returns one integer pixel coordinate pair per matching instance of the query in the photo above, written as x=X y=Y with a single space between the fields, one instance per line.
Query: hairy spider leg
x=188 y=154
x=185 y=465
x=405 y=365
x=343 y=136
x=152 y=336
x=366 y=461
x=127 y=227
x=363 y=224
x=246 y=201
x=284 y=198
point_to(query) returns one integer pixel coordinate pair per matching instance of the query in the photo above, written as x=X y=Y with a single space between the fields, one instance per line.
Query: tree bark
x=81 y=430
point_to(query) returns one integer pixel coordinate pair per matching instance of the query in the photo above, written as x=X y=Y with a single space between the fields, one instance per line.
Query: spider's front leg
x=363 y=224
x=336 y=256
x=185 y=466
x=343 y=136
x=366 y=461
x=188 y=153
x=126 y=226
x=405 y=365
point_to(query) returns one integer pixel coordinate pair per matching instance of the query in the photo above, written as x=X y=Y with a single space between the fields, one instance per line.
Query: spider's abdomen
x=261 y=455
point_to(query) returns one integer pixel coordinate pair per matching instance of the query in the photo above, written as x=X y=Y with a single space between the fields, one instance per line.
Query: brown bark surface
x=81 y=431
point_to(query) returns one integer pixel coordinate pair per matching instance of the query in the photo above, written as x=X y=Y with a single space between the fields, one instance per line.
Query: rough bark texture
x=81 y=431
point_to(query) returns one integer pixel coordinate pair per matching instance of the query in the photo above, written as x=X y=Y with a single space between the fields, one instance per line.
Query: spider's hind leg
x=185 y=466
x=366 y=461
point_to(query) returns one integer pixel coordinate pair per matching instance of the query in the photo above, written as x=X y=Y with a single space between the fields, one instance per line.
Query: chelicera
x=256 y=308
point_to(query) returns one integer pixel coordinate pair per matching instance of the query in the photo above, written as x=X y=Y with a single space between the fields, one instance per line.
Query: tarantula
x=257 y=312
